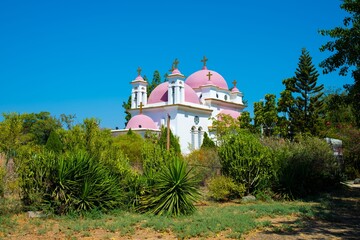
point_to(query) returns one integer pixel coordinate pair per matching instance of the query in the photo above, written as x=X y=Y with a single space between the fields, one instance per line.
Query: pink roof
x=232 y=113
x=160 y=94
x=200 y=78
x=176 y=71
x=235 y=89
x=141 y=121
x=139 y=78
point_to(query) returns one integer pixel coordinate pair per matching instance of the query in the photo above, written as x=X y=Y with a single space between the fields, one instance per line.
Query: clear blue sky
x=78 y=57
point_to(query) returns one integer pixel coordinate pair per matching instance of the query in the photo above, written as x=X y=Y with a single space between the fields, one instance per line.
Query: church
x=187 y=105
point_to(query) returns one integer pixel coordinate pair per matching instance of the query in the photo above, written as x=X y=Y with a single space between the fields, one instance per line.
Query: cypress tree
x=207 y=142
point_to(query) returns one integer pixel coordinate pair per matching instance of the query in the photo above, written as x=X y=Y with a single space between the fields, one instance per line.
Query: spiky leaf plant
x=174 y=192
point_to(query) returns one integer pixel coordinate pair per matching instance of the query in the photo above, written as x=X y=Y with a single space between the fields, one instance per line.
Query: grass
x=231 y=220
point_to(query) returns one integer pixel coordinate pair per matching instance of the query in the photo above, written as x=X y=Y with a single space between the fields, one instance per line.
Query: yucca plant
x=82 y=184
x=174 y=191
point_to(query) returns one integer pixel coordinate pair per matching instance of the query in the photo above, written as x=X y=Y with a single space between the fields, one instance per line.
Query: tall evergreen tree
x=305 y=105
x=127 y=106
x=154 y=83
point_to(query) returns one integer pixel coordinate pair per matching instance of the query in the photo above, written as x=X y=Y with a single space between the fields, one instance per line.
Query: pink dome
x=160 y=94
x=232 y=113
x=141 y=121
x=235 y=90
x=201 y=78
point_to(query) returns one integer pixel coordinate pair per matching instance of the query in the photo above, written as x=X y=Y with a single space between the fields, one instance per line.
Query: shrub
x=207 y=142
x=173 y=193
x=305 y=167
x=246 y=160
x=223 y=188
x=73 y=182
x=205 y=163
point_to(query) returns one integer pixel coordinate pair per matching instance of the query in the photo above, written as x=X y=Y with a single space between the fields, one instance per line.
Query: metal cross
x=175 y=64
x=141 y=107
x=234 y=82
x=204 y=60
x=209 y=75
x=139 y=71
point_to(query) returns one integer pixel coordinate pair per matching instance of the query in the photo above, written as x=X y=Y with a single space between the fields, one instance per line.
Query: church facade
x=189 y=104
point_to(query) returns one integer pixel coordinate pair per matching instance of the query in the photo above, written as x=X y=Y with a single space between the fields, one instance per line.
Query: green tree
x=174 y=141
x=127 y=106
x=266 y=115
x=245 y=121
x=207 y=142
x=54 y=142
x=246 y=160
x=154 y=83
x=346 y=50
x=285 y=106
x=306 y=116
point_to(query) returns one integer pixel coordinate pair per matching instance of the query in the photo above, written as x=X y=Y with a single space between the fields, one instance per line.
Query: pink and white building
x=192 y=103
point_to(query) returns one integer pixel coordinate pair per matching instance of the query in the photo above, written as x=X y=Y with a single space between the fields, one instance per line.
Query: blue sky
x=78 y=57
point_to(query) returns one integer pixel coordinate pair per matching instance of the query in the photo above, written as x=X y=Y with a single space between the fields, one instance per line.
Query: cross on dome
x=209 y=75
x=175 y=64
x=139 y=71
x=204 y=60
x=234 y=82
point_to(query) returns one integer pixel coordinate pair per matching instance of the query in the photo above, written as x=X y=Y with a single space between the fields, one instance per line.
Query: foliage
x=338 y=109
x=266 y=116
x=127 y=106
x=350 y=137
x=301 y=100
x=245 y=121
x=154 y=83
x=224 y=125
x=246 y=160
x=174 y=141
x=207 y=142
x=174 y=191
x=222 y=188
x=2 y=180
x=131 y=145
x=205 y=163
x=305 y=166
x=54 y=142
x=345 y=49
x=66 y=183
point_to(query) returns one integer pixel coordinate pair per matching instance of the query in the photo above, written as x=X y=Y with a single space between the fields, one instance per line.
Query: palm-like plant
x=174 y=191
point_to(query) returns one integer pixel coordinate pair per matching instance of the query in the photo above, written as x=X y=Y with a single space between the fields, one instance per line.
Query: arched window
x=193 y=132
x=200 y=136
x=225 y=97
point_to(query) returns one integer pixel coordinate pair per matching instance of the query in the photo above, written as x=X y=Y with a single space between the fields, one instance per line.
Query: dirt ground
x=337 y=218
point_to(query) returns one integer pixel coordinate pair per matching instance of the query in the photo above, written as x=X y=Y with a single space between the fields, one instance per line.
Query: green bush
x=205 y=163
x=305 y=167
x=173 y=193
x=223 y=188
x=246 y=160
x=73 y=182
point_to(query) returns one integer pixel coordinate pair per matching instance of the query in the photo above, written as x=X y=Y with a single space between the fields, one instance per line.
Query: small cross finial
x=209 y=75
x=234 y=82
x=141 y=107
x=139 y=71
x=172 y=68
x=175 y=64
x=204 y=60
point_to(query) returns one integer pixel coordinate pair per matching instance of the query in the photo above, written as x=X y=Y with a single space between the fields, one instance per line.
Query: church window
x=217 y=95
x=200 y=96
x=225 y=97
x=193 y=130
x=200 y=136
x=140 y=126
x=173 y=95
